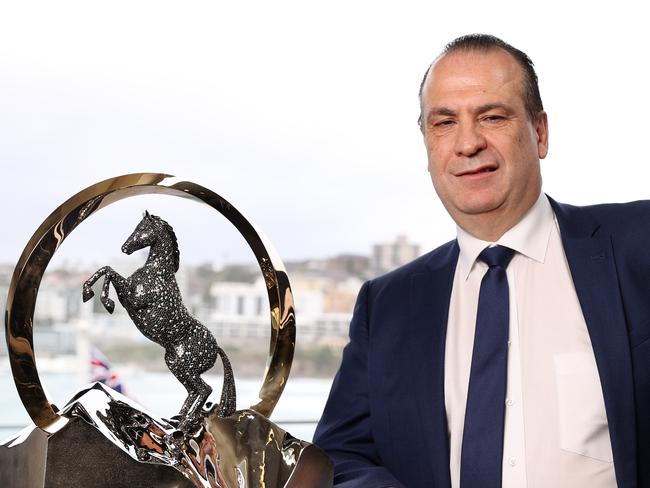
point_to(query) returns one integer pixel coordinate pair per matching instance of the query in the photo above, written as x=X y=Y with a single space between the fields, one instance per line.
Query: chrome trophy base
x=110 y=441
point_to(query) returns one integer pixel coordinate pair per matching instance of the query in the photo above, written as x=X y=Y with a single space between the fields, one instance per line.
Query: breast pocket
x=581 y=408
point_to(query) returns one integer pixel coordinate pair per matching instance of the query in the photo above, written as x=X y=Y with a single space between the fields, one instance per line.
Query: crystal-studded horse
x=153 y=301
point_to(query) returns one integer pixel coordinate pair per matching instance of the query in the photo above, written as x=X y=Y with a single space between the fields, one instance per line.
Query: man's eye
x=443 y=123
x=494 y=118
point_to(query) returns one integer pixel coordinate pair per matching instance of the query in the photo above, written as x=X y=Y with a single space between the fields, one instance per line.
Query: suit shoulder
x=617 y=217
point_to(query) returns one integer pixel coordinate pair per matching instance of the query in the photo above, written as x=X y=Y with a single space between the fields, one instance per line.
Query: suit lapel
x=591 y=261
x=430 y=294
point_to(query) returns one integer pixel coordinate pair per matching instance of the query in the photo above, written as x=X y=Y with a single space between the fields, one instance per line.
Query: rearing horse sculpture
x=153 y=301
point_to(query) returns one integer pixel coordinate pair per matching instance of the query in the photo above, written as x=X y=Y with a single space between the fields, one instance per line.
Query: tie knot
x=496 y=256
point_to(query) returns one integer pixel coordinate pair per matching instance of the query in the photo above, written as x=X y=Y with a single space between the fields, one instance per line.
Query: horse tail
x=228 y=402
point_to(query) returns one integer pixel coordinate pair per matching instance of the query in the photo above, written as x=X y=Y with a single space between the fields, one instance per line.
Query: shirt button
x=512 y=462
x=509 y=342
x=510 y=402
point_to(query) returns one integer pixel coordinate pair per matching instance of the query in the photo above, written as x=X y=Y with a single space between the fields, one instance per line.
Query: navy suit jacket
x=385 y=422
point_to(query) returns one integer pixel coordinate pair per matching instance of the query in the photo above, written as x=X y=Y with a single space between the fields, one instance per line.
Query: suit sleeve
x=344 y=431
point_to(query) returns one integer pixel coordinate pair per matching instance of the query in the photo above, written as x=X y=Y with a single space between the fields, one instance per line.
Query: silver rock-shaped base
x=110 y=441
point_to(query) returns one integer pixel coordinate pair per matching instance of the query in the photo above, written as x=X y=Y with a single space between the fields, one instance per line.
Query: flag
x=101 y=370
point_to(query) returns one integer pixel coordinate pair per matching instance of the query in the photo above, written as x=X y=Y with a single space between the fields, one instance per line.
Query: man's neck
x=490 y=231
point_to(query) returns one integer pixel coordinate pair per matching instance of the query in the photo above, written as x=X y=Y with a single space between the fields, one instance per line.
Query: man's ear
x=541 y=128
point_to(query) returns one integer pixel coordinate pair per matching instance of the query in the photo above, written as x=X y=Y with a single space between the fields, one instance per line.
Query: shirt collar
x=528 y=237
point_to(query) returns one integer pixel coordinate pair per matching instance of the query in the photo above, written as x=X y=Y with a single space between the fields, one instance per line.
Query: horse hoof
x=87 y=294
x=190 y=423
x=109 y=305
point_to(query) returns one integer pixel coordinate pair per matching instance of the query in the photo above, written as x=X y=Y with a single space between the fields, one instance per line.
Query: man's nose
x=469 y=140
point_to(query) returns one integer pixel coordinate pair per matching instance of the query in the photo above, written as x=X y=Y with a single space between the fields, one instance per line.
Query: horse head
x=151 y=230
x=143 y=236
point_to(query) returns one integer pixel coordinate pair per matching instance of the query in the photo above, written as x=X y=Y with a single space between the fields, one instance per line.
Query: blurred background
x=303 y=115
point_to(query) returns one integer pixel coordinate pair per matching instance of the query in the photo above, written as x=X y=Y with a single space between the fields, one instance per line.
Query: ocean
x=297 y=411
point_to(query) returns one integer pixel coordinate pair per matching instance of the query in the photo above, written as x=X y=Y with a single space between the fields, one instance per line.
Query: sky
x=302 y=114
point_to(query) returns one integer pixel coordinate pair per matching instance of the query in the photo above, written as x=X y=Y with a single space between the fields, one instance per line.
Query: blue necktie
x=482 y=450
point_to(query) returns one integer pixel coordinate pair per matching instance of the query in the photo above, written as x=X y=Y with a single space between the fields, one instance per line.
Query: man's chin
x=479 y=207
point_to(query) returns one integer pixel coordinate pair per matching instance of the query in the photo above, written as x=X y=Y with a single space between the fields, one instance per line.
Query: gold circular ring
x=21 y=299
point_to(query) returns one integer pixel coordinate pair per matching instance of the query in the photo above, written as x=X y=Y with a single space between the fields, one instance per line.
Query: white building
x=242 y=309
x=386 y=257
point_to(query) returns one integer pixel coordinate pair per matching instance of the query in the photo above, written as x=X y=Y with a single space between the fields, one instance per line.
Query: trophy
x=101 y=438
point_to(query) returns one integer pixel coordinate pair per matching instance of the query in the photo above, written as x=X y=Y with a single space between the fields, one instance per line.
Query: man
x=517 y=355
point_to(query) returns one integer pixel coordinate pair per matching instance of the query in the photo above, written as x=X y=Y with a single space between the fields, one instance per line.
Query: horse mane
x=176 y=254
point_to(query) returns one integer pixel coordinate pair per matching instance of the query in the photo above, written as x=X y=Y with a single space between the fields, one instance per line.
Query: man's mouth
x=476 y=171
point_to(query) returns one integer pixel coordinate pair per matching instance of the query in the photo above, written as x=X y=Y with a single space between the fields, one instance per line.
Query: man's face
x=482 y=147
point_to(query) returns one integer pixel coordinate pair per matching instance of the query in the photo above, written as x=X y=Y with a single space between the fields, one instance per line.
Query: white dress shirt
x=556 y=433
